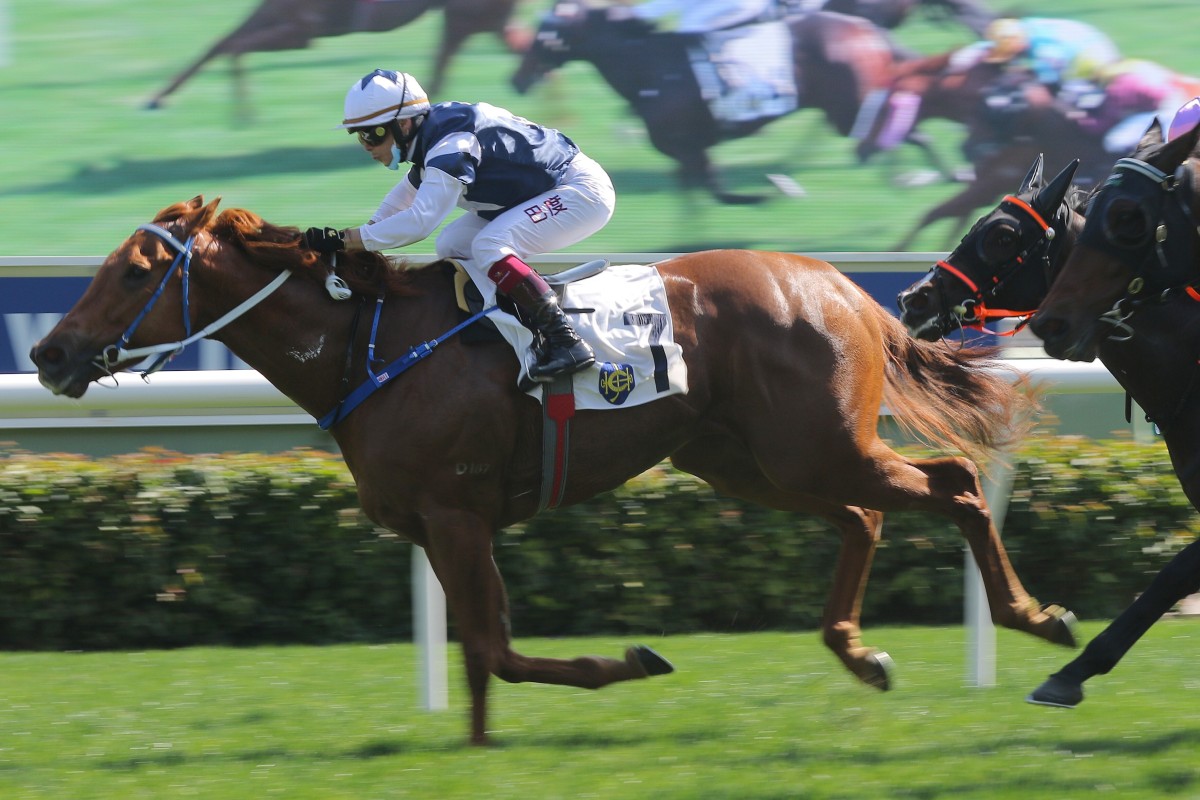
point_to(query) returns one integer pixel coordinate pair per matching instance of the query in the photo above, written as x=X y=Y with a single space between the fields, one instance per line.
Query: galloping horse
x=1140 y=243
x=1005 y=266
x=837 y=59
x=293 y=24
x=788 y=363
x=998 y=147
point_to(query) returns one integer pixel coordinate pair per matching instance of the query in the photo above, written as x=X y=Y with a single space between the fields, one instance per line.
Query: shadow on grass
x=379 y=748
x=1041 y=784
x=140 y=172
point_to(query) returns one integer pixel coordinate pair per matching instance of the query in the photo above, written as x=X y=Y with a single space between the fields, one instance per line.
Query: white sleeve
x=431 y=203
x=399 y=198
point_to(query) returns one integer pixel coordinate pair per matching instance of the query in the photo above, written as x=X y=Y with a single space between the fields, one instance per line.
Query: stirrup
x=532 y=362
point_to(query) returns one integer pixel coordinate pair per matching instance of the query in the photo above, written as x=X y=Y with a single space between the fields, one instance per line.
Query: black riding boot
x=562 y=351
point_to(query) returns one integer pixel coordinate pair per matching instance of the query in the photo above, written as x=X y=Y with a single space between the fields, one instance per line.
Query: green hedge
x=158 y=549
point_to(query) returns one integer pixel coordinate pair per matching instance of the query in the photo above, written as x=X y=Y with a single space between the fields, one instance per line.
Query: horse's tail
x=954 y=397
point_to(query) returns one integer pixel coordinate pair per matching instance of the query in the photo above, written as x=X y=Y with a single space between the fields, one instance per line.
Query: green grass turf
x=769 y=715
x=84 y=162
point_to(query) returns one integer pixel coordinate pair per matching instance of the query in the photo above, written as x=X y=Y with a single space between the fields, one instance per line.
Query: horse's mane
x=1078 y=198
x=281 y=247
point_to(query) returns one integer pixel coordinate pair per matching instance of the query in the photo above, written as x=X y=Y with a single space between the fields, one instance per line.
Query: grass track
x=753 y=716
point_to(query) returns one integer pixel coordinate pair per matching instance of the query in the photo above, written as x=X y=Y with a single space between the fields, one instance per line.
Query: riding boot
x=562 y=351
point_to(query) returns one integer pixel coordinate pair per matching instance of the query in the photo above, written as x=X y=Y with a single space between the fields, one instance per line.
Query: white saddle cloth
x=746 y=73
x=623 y=314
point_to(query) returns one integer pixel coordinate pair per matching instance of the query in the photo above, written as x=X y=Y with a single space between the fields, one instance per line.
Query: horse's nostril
x=46 y=355
x=1049 y=328
x=912 y=301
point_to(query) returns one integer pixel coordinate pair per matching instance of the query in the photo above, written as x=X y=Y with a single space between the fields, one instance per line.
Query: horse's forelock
x=1078 y=198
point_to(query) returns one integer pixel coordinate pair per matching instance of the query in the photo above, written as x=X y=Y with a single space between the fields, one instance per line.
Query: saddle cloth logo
x=616 y=382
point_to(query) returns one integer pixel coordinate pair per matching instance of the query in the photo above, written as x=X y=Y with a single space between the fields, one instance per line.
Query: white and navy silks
x=527 y=190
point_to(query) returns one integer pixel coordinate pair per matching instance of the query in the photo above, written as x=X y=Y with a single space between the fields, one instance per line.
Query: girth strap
x=558 y=407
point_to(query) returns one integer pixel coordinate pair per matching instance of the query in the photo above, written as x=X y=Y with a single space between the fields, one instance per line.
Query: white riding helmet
x=381 y=97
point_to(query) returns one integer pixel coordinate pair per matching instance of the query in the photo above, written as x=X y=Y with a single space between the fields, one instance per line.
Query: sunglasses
x=373 y=135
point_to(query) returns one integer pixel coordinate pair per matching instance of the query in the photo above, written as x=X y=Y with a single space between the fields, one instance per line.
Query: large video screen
x=778 y=126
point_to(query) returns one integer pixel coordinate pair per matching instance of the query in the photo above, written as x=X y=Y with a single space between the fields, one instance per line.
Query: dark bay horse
x=788 y=364
x=837 y=59
x=1140 y=242
x=999 y=145
x=293 y=24
x=1006 y=266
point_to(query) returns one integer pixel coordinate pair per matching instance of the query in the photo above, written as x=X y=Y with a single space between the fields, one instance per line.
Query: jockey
x=527 y=189
x=1055 y=50
x=1136 y=92
x=742 y=58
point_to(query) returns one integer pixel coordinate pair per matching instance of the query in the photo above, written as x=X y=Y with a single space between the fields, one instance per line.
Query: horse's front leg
x=460 y=552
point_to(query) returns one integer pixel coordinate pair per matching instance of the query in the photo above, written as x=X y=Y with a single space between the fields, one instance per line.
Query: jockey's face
x=381 y=148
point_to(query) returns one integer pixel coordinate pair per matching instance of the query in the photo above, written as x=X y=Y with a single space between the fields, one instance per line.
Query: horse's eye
x=999 y=243
x=1126 y=224
x=135 y=274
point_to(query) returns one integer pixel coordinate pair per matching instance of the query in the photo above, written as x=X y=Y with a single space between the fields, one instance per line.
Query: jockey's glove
x=325 y=240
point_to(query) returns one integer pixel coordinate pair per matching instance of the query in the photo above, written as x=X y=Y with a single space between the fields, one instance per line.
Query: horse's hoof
x=648 y=660
x=880 y=668
x=1066 y=626
x=1058 y=693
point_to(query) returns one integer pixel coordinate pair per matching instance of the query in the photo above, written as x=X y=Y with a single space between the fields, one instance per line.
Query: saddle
x=470 y=301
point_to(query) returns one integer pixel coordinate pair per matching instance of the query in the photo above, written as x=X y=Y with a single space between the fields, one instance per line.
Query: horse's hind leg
x=732 y=470
x=950 y=487
x=860 y=529
x=460 y=552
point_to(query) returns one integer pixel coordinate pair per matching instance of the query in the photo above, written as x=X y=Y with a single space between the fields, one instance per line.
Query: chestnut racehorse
x=788 y=364
x=1005 y=266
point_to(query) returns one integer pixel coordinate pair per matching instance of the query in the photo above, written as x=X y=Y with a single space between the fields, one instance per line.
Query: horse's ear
x=200 y=217
x=1151 y=138
x=1050 y=197
x=1034 y=179
x=209 y=213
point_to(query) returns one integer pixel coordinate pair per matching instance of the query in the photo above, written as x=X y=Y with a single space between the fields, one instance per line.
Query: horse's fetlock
x=841 y=635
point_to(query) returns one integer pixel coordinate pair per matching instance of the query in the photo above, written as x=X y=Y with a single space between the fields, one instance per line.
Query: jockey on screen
x=527 y=189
